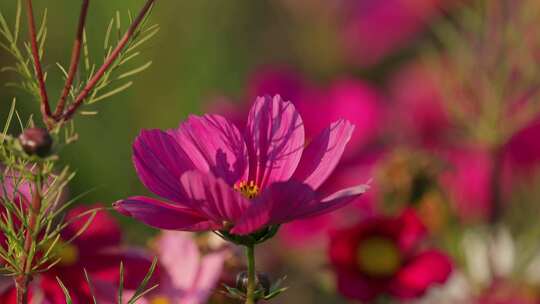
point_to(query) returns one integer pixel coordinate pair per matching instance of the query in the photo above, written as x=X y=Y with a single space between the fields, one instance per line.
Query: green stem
x=250 y=292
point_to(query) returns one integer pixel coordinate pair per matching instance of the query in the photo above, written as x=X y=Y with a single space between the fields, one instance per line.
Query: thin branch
x=108 y=62
x=75 y=58
x=45 y=108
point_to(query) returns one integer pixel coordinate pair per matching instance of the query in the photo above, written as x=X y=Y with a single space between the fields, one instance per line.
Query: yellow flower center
x=248 y=190
x=67 y=253
x=160 y=300
x=378 y=256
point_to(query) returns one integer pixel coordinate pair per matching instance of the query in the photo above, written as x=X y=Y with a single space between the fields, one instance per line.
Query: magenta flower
x=386 y=255
x=214 y=177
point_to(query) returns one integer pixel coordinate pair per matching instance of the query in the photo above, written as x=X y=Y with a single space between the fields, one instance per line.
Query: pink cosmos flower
x=216 y=178
x=417 y=95
x=384 y=255
x=348 y=98
x=468 y=181
x=187 y=277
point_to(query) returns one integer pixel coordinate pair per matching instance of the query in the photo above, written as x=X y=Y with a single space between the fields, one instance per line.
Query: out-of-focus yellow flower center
x=160 y=300
x=248 y=190
x=67 y=253
x=378 y=256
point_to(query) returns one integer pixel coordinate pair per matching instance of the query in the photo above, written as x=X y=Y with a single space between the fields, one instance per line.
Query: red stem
x=75 y=58
x=45 y=108
x=108 y=62
x=23 y=279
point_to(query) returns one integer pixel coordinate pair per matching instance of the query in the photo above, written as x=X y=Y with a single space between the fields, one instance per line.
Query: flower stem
x=250 y=292
x=23 y=279
x=21 y=283
x=45 y=108
x=75 y=57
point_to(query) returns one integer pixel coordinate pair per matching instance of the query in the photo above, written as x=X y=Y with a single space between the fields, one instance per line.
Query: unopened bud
x=262 y=281
x=36 y=141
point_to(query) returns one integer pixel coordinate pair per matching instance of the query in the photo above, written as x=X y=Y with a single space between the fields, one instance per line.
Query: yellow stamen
x=378 y=256
x=160 y=300
x=249 y=190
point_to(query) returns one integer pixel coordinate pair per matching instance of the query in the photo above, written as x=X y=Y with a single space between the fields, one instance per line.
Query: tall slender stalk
x=45 y=107
x=75 y=58
x=250 y=292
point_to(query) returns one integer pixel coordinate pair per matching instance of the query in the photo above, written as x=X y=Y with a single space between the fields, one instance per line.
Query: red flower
x=382 y=255
x=98 y=251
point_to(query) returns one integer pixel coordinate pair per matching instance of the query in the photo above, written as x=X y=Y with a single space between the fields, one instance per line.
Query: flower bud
x=36 y=141
x=262 y=281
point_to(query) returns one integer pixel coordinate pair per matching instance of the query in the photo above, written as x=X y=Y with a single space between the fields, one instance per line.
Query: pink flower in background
x=216 y=178
x=426 y=123
x=373 y=29
x=522 y=151
x=98 y=251
x=385 y=255
x=19 y=190
x=468 y=180
x=347 y=98
x=415 y=91
x=187 y=277
x=277 y=80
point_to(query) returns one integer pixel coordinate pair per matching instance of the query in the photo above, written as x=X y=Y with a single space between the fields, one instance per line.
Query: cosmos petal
x=424 y=270
x=331 y=202
x=275 y=140
x=174 y=244
x=276 y=205
x=159 y=162
x=163 y=215
x=208 y=276
x=214 y=145
x=213 y=196
x=322 y=155
x=287 y=201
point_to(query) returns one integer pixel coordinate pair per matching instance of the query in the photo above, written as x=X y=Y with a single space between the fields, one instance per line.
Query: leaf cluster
x=260 y=294
x=486 y=59
x=22 y=178
x=20 y=51
x=117 y=76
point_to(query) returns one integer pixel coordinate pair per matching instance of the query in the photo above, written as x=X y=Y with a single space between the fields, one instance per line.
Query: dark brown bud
x=262 y=281
x=36 y=141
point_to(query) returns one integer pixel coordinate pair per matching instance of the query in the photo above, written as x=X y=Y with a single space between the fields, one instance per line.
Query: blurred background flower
x=444 y=96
